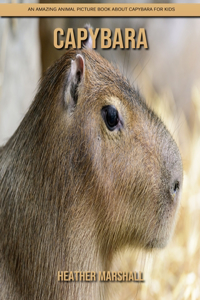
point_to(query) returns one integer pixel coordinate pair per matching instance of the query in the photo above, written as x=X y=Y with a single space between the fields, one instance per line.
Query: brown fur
x=72 y=192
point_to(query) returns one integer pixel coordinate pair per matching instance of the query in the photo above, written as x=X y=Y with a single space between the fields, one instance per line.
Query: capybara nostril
x=174 y=189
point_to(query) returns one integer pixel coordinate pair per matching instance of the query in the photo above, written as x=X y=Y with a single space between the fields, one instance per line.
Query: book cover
x=99 y=156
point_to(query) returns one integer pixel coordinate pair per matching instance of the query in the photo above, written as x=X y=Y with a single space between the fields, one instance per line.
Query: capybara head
x=121 y=154
x=105 y=151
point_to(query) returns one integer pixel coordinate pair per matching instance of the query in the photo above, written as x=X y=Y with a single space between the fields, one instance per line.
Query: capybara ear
x=88 y=42
x=75 y=77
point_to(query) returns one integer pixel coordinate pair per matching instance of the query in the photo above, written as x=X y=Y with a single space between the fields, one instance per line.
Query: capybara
x=90 y=169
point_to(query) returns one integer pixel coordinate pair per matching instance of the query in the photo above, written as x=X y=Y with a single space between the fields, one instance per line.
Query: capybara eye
x=110 y=116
